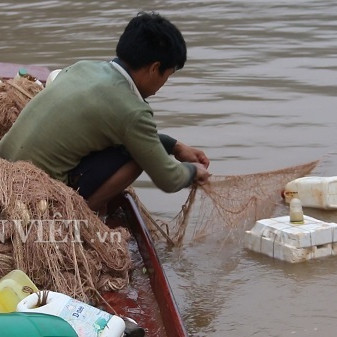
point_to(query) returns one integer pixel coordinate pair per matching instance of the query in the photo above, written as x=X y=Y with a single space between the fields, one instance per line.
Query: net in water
x=226 y=204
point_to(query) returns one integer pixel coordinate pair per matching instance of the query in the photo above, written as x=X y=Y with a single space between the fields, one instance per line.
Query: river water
x=258 y=93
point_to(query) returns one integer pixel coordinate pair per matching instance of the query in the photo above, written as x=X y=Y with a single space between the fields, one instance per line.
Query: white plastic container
x=296 y=211
x=14 y=287
x=316 y=192
x=86 y=320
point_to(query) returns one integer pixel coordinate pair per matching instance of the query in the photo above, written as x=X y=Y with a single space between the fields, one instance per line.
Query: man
x=93 y=129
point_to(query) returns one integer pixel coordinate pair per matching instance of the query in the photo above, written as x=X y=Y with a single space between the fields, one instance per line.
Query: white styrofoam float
x=292 y=242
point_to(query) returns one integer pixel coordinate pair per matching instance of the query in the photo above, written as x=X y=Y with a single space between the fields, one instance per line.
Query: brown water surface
x=258 y=93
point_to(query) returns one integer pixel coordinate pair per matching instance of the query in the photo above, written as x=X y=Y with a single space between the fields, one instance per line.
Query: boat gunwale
x=168 y=307
x=9 y=71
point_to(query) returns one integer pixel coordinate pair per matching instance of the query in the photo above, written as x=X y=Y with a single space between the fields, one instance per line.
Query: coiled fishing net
x=48 y=231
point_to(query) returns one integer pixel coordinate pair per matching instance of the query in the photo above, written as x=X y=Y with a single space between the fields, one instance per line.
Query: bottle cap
x=23 y=72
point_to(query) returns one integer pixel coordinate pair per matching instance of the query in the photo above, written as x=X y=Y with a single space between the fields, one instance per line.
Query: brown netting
x=225 y=204
x=14 y=95
x=48 y=231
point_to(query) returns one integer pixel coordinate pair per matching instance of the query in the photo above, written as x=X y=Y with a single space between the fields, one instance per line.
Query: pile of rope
x=46 y=228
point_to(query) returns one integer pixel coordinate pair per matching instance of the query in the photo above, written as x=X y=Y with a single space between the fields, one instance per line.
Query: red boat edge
x=9 y=70
x=172 y=320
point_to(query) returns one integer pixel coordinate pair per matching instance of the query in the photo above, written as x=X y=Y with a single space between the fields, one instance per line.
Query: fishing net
x=14 y=95
x=48 y=231
x=225 y=204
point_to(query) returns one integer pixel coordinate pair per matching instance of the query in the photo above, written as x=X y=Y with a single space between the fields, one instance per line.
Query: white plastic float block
x=280 y=239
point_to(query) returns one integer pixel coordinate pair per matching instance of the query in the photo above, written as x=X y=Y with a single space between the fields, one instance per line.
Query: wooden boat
x=167 y=311
x=149 y=299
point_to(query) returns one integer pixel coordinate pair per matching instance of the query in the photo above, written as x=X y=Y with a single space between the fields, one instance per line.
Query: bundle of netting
x=14 y=95
x=48 y=231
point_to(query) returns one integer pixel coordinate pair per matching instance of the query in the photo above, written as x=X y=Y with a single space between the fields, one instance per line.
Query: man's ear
x=154 y=67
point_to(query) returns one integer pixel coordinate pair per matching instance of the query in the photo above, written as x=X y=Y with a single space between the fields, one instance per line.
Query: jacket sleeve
x=144 y=145
x=168 y=142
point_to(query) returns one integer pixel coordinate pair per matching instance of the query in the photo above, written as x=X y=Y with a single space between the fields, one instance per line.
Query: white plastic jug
x=86 y=320
x=317 y=192
x=14 y=287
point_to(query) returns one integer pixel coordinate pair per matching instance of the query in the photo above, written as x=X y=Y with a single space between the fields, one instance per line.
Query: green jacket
x=91 y=106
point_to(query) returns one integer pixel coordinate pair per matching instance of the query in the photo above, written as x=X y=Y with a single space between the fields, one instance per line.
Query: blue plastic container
x=20 y=324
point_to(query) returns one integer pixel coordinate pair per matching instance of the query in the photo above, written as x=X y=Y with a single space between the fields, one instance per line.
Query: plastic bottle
x=18 y=324
x=85 y=319
x=24 y=73
x=296 y=212
x=316 y=192
x=14 y=287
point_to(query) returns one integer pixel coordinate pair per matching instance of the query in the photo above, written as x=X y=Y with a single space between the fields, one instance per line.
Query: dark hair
x=149 y=38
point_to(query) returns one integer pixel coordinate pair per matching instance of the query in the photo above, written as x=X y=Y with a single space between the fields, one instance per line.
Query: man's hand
x=190 y=154
x=202 y=175
x=197 y=157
